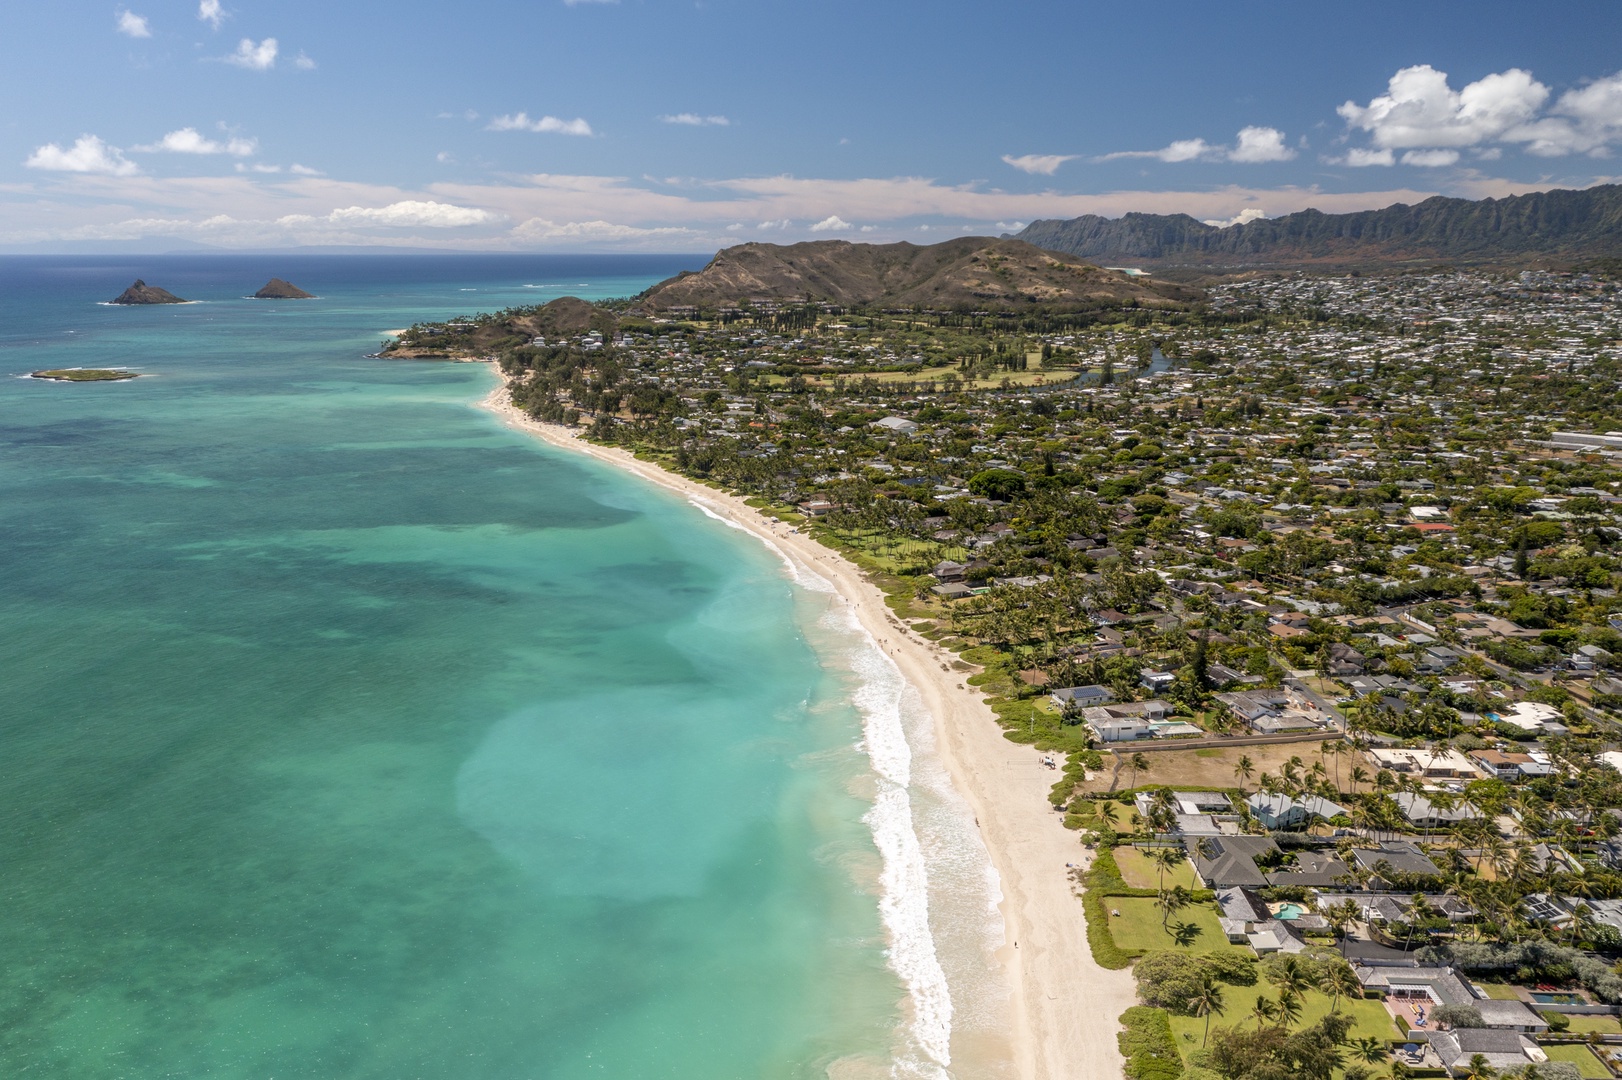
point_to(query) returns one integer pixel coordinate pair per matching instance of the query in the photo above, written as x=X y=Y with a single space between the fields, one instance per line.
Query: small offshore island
x=85 y=375
x=142 y=293
x=277 y=289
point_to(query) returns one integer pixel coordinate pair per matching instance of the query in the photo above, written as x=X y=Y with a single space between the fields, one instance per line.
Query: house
x=948 y=571
x=1534 y=717
x=1268 y=712
x=1422 y=813
x=952 y=590
x=1157 y=682
x=1227 y=861
x=817 y=508
x=1112 y=729
x=1072 y=698
x=1431 y=764
x=1502 y=1049
x=1311 y=870
x=1395 y=857
x=1498 y=765
x=1344 y=661
x=1283 y=812
x=1443 y=986
x=896 y=425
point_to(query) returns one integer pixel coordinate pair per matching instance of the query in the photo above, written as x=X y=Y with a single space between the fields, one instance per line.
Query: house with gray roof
x=1284 y=812
x=1393 y=856
x=1502 y=1049
x=1224 y=861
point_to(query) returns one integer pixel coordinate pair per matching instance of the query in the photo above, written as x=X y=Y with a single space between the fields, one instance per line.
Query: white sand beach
x=1064 y=1006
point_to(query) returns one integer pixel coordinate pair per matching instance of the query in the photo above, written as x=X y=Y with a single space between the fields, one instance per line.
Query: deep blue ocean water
x=346 y=733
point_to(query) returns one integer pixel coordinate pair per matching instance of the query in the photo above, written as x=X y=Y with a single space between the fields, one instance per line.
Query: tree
x=1370 y=1050
x=1264 y=1011
x=1140 y=763
x=1206 y=1002
x=1477 y=1069
x=1341 y=981
x=1244 y=770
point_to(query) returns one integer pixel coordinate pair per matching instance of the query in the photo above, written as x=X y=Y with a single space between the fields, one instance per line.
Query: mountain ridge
x=968 y=272
x=1556 y=224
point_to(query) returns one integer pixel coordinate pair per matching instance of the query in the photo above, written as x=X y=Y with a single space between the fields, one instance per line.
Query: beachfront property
x=1081 y=697
x=1278 y=811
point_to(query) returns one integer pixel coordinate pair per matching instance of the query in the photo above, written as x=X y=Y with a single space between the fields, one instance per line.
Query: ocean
x=345 y=733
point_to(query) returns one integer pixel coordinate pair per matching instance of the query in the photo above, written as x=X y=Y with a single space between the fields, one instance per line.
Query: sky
x=689 y=125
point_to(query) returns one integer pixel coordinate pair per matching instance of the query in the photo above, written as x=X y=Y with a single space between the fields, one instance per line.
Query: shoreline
x=1064 y=1007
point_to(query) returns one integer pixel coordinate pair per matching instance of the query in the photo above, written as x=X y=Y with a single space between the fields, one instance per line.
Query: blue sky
x=683 y=126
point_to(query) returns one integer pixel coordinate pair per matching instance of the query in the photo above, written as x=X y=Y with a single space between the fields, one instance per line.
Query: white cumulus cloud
x=546 y=124
x=1430 y=159
x=411 y=212
x=694 y=120
x=831 y=223
x=1249 y=213
x=1419 y=110
x=260 y=57
x=133 y=25
x=1258 y=145
x=1038 y=164
x=1584 y=121
x=543 y=229
x=304 y=170
x=188 y=141
x=303 y=62
x=211 y=12
x=1359 y=157
x=88 y=154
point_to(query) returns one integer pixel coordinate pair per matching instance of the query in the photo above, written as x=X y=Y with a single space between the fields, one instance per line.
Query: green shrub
x=1148 y=1046
x=1558 y=1022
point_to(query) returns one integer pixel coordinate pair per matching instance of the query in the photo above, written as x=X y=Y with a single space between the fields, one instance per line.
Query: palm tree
x=1341 y=982
x=1371 y=1050
x=1358 y=775
x=1265 y=1010
x=1400 y=1070
x=1207 y=1000
x=1170 y=902
x=1289 y=1008
x=1140 y=763
x=1244 y=770
x=1477 y=1069
x=1166 y=858
x=1107 y=812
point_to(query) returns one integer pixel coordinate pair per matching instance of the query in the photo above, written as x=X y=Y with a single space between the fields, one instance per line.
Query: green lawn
x=1605 y=1025
x=1139 y=870
x=1499 y=991
x=1138 y=926
x=1370 y=1020
x=1581 y=1056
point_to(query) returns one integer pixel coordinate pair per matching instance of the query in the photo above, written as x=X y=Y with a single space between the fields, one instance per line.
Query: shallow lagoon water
x=345 y=733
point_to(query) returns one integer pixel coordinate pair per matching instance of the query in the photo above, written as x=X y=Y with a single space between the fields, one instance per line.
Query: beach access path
x=1064 y=1006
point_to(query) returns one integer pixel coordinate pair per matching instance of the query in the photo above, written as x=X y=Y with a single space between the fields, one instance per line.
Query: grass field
x=1370 y=1020
x=1139 y=870
x=1605 y=1025
x=1138 y=926
x=1209 y=766
x=1499 y=991
x=1581 y=1056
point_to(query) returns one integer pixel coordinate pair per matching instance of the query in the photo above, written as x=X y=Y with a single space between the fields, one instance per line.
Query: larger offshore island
x=1309 y=578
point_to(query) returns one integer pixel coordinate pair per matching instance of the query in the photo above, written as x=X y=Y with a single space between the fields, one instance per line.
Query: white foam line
x=904 y=878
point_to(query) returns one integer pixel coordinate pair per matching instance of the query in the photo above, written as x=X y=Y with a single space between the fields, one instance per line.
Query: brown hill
x=277 y=289
x=567 y=316
x=142 y=293
x=969 y=273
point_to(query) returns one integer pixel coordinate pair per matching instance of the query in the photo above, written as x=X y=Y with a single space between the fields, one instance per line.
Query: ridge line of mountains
x=1557 y=225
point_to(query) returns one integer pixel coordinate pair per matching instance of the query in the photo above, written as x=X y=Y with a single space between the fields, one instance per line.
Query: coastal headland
x=1064 y=1005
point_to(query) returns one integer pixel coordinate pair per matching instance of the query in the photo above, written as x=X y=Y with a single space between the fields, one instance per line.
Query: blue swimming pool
x=1290 y=912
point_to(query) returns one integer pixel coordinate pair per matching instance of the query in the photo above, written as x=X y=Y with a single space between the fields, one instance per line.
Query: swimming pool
x=1290 y=912
x=1545 y=998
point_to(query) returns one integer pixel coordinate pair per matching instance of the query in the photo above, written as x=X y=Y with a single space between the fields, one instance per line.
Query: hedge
x=1147 y=1044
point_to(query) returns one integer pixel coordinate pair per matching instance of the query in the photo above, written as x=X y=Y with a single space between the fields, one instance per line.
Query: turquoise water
x=345 y=733
x=1290 y=912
